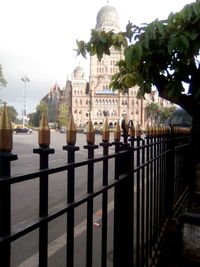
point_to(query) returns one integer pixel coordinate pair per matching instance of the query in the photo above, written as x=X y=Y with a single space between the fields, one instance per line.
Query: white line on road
x=60 y=242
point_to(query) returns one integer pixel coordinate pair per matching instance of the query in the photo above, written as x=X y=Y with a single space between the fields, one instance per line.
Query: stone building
x=94 y=98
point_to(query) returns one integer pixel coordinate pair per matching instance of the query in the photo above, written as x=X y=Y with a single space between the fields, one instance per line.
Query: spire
x=6 y=141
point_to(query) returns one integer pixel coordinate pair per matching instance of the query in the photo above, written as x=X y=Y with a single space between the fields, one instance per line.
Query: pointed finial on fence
x=132 y=130
x=106 y=132
x=71 y=132
x=6 y=139
x=90 y=134
x=44 y=132
x=117 y=132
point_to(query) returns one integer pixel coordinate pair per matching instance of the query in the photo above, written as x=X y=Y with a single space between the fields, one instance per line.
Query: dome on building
x=79 y=73
x=108 y=19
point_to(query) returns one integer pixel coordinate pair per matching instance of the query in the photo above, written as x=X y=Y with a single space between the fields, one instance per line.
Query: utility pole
x=25 y=79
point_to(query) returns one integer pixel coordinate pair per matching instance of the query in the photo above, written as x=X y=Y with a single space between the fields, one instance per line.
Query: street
x=25 y=202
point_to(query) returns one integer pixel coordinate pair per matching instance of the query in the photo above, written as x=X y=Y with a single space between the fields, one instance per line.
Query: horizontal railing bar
x=39 y=221
x=180 y=146
x=37 y=174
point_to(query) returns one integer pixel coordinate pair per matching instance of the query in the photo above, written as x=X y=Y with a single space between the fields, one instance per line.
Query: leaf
x=184 y=41
x=194 y=35
x=187 y=13
x=161 y=27
x=129 y=32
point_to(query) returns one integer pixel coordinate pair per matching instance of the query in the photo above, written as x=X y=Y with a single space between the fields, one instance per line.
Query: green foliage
x=36 y=116
x=152 y=112
x=11 y=112
x=158 y=114
x=2 y=79
x=63 y=115
x=166 y=113
x=163 y=54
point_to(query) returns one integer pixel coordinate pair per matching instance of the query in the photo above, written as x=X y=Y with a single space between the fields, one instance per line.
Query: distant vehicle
x=22 y=130
x=63 y=130
x=96 y=130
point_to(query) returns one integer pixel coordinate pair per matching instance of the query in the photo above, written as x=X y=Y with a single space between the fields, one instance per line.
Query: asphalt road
x=25 y=202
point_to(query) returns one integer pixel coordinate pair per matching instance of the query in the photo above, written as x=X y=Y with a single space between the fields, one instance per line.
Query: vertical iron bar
x=70 y=199
x=138 y=208
x=170 y=174
x=155 y=192
x=43 y=204
x=158 y=188
x=151 y=195
x=117 y=159
x=105 y=146
x=143 y=207
x=5 y=207
x=90 y=189
x=147 y=203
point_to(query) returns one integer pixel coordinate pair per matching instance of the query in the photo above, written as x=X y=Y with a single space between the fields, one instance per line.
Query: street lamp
x=25 y=79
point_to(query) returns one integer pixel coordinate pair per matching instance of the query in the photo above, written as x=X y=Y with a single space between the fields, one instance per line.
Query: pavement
x=180 y=246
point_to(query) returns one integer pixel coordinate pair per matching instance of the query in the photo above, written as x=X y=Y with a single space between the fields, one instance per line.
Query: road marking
x=60 y=242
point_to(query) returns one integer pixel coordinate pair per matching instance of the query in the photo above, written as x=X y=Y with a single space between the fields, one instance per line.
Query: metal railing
x=150 y=181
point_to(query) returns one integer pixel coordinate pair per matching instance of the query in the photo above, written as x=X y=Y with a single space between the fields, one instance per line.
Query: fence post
x=90 y=137
x=44 y=151
x=123 y=213
x=5 y=193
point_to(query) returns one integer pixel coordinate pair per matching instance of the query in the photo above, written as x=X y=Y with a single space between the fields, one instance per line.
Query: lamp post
x=25 y=79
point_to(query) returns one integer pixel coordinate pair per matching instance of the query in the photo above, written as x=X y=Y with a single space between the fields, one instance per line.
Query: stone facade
x=94 y=99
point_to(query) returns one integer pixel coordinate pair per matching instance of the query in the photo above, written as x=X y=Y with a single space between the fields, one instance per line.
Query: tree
x=163 y=54
x=166 y=113
x=151 y=112
x=2 y=79
x=63 y=115
x=11 y=112
x=36 y=116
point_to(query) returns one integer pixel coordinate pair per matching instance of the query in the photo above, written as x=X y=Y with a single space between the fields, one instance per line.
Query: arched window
x=86 y=102
x=75 y=92
x=123 y=102
x=80 y=102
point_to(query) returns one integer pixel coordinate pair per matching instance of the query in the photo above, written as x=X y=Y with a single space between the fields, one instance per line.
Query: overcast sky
x=38 y=38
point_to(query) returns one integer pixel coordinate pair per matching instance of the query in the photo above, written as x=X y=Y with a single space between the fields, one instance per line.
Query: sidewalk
x=181 y=243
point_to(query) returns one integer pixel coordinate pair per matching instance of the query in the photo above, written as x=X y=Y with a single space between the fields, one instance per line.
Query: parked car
x=63 y=130
x=22 y=130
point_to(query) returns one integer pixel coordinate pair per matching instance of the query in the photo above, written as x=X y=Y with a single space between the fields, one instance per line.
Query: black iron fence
x=150 y=181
